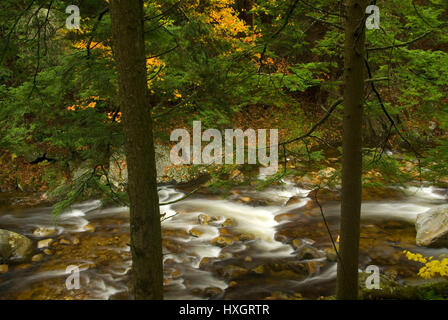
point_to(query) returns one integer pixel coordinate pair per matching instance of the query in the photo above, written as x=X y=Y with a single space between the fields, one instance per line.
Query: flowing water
x=249 y=246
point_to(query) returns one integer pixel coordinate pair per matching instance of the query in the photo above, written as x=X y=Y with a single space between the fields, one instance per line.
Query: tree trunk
x=347 y=282
x=146 y=241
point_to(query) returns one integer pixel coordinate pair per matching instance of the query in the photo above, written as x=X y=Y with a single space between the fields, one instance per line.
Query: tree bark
x=146 y=241
x=347 y=281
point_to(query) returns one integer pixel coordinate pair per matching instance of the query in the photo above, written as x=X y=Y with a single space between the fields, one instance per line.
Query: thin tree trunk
x=146 y=243
x=347 y=282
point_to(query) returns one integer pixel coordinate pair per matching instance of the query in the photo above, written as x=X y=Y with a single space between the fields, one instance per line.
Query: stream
x=269 y=244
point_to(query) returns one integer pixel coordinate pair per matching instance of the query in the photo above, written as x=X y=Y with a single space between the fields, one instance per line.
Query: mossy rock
x=435 y=290
x=14 y=246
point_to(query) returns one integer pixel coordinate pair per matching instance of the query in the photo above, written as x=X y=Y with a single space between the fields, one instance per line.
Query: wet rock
x=285 y=216
x=195 y=232
x=258 y=269
x=330 y=254
x=23 y=266
x=225 y=232
x=325 y=194
x=212 y=292
x=313 y=267
x=196 y=291
x=48 y=252
x=175 y=233
x=14 y=246
x=297 y=243
x=370 y=193
x=432 y=227
x=204 y=219
x=176 y=274
x=246 y=237
x=286 y=269
x=37 y=257
x=3 y=268
x=222 y=241
x=294 y=200
x=229 y=223
x=64 y=241
x=206 y=261
x=45 y=232
x=76 y=241
x=172 y=246
x=248 y=259
x=309 y=253
x=89 y=228
x=233 y=272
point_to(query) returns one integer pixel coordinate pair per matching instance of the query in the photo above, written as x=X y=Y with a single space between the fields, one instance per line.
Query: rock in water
x=432 y=228
x=14 y=246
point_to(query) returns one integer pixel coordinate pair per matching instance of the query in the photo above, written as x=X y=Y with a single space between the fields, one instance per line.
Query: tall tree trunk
x=146 y=241
x=347 y=282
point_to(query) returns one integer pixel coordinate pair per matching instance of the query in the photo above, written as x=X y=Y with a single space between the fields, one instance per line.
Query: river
x=269 y=244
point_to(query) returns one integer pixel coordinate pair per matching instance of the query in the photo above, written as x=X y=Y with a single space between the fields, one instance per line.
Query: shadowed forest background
x=86 y=178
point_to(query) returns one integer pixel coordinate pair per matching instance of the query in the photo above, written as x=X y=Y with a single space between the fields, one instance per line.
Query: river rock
x=14 y=246
x=212 y=292
x=246 y=237
x=294 y=200
x=3 y=268
x=37 y=257
x=432 y=228
x=44 y=232
x=232 y=272
x=204 y=219
x=222 y=241
x=195 y=232
x=44 y=243
x=258 y=269
x=229 y=223
x=297 y=243
x=89 y=228
x=331 y=254
x=206 y=261
x=309 y=253
x=64 y=241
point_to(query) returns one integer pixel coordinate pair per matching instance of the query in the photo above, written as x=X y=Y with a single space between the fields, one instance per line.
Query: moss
x=427 y=291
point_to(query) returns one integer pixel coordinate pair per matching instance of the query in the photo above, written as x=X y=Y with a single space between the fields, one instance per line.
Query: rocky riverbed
x=269 y=244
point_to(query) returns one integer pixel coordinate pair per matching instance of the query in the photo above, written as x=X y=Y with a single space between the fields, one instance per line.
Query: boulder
x=14 y=246
x=432 y=228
